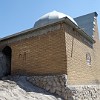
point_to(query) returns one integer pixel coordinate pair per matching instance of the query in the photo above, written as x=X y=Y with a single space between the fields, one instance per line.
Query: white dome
x=51 y=17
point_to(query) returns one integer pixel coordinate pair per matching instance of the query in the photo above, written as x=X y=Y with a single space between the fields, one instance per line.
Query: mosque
x=57 y=44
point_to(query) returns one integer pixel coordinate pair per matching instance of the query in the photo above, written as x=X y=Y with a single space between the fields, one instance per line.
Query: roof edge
x=95 y=14
x=65 y=19
x=82 y=31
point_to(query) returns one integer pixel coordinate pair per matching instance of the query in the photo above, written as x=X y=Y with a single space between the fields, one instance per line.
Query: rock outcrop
x=18 y=88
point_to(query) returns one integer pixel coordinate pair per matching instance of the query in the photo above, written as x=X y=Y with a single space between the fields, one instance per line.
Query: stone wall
x=84 y=92
x=55 y=84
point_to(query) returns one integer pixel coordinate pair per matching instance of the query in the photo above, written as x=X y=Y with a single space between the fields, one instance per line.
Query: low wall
x=84 y=92
x=57 y=84
x=54 y=84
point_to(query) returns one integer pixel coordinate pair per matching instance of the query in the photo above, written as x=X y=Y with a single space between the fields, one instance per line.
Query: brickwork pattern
x=42 y=54
x=79 y=72
x=57 y=50
x=97 y=53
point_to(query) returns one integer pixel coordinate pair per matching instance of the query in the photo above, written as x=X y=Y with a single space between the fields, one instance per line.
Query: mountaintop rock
x=18 y=88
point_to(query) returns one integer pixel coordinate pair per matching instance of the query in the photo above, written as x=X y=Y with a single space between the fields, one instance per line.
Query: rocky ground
x=18 y=88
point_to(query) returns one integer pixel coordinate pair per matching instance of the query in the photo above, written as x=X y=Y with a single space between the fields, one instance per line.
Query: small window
x=88 y=59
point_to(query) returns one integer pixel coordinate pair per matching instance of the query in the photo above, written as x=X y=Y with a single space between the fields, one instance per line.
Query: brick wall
x=56 y=50
x=96 y=52
x=42 y=54
x=79 y=72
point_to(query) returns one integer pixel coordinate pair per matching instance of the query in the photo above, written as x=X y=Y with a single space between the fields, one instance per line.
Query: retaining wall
x=57 y=84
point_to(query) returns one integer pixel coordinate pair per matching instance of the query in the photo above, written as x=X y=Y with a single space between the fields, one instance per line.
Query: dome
x=51 y=17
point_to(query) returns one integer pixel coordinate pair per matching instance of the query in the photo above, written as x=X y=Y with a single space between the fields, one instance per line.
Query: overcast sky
x=19 y=15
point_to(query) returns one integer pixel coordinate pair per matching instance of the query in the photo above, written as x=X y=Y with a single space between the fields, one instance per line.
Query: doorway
x=7 y=53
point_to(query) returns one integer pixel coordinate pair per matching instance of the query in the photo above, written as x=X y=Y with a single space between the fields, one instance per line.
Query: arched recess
x=7 y=52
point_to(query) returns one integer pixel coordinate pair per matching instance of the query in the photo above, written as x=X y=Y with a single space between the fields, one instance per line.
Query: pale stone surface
x=85 y=92
x=18 y=88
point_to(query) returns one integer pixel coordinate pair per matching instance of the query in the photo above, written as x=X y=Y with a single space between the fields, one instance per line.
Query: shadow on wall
x=5 y=61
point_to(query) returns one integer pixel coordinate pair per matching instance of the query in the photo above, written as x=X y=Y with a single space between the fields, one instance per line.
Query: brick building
x=57 y=44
